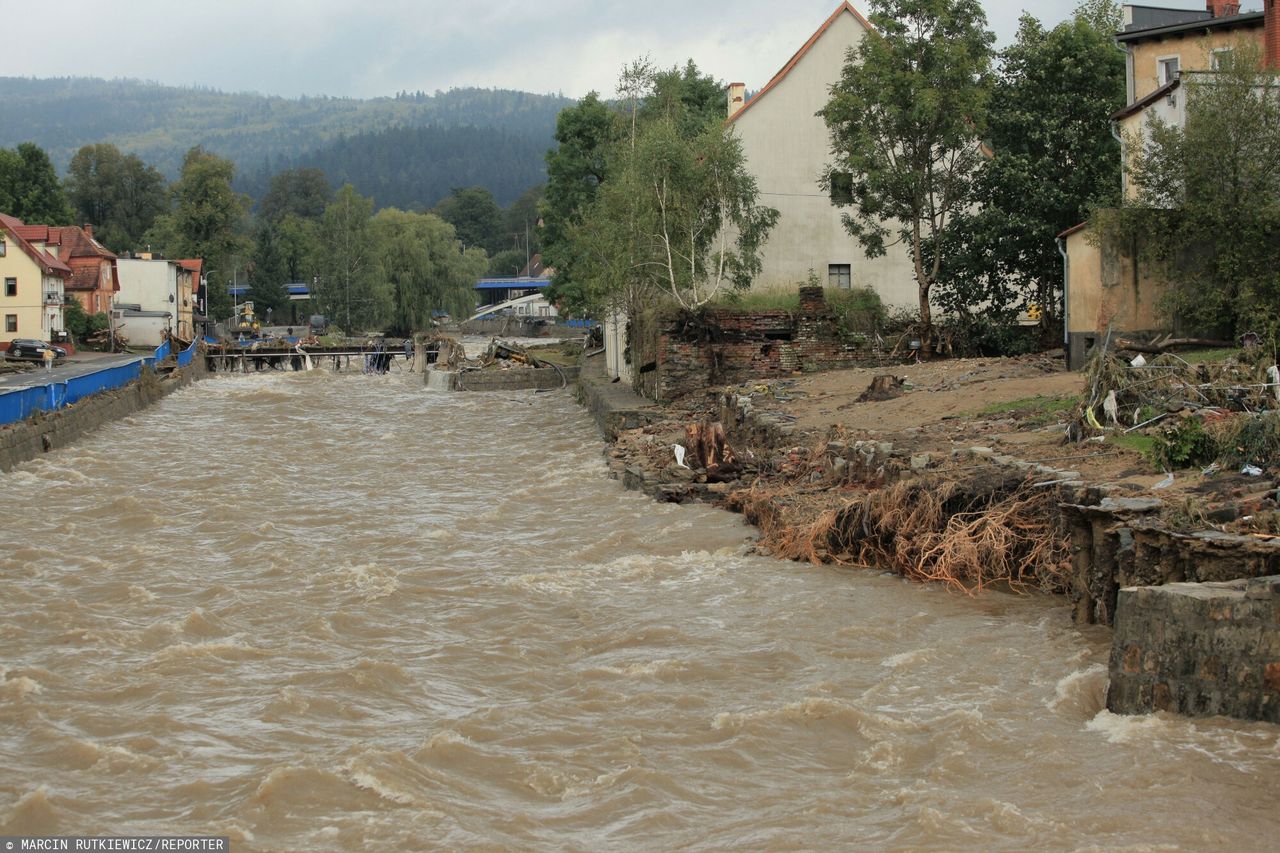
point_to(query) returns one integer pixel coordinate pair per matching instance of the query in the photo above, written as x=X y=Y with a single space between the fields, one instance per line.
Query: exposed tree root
x=965 y=534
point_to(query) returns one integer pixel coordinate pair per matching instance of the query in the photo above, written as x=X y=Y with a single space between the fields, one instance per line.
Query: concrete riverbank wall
x=45 y=431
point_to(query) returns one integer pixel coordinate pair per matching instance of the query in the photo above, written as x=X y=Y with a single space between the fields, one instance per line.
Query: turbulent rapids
x=317 y=611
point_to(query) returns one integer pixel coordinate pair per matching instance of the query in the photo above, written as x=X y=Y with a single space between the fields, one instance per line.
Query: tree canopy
x=118 y=194
x=1053 y=159
x=906 y=120
x=29 y=187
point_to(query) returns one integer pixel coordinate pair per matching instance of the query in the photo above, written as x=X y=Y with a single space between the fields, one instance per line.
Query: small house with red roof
x=32 y=280
x=94 y=281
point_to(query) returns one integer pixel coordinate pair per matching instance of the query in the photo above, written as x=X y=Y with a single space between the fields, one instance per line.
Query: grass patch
x=1138 y=443
x=1205 y=356
x=1039 y=410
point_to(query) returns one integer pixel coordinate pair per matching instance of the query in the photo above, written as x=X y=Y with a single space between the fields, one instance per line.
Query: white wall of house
x=152 y=285
x=142 y=328
x=787 y=147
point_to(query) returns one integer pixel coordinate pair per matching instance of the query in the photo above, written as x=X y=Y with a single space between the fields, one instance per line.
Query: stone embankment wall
x=1198 y=649
x=46 y=431
x=728 y=344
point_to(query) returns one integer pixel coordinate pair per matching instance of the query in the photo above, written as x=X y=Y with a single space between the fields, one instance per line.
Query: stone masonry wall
x=46 y=431
x=1198 y=649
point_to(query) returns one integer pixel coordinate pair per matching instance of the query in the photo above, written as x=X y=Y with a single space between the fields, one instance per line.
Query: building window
x=11 y=322
x=2 y=247
x=1168 y=69
x=841 y=188
x=840 y=275
x=1220 y=56
x=10 y=287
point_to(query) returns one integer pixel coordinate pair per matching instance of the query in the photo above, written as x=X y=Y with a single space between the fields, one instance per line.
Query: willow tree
x=421 y=259
x=906 y=119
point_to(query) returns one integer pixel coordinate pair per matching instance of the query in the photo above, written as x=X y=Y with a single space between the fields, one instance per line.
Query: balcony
x=53 y=299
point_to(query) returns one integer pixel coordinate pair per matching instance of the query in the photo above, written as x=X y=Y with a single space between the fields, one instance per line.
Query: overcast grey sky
x=379 y=47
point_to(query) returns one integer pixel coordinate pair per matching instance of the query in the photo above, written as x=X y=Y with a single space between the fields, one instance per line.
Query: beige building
x=32 y=283
x=787 y=148
x=1106 y=289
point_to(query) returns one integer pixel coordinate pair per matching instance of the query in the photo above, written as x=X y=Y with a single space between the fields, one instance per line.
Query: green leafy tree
x=268 y=271
x=1054 y=158
x=475 y=216
x=348 y=289
x=681 y=216
x=509 y=262
x=298 y=240
x=419 y=256
x=576 y=168
x=208 y=220
x=520 y=222
x=906 y=118
x=118 y=194
x=30 y=189
x=304 y=192
x=1207 y=205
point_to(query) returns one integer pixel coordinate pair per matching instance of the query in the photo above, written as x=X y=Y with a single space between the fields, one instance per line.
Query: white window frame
x=1161 y=64
x=836 y=278
x=1216 y=54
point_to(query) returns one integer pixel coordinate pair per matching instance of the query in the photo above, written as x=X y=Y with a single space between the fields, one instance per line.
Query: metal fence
x=20 y=403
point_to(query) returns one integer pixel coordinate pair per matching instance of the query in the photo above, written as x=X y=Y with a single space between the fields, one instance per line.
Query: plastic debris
x=1251 y=471
x=1166 y=482
x=1112 y=408
x=680 y=455
x=1138 y=362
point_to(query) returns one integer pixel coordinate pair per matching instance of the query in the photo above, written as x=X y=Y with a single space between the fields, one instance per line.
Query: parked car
x=319 y=323
x=29 y=348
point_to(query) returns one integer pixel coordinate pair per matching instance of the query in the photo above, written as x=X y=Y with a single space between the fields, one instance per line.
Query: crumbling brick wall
x=728 y=345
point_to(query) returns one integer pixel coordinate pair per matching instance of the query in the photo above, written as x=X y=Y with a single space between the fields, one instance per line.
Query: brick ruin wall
x=732 y=345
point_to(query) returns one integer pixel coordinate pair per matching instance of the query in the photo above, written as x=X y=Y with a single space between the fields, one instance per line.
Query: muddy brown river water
x=319 y=612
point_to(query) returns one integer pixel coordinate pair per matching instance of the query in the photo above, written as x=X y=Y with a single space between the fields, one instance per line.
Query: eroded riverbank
x=430 y=620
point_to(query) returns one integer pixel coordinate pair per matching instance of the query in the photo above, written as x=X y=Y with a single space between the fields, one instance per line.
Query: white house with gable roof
x=788 y=148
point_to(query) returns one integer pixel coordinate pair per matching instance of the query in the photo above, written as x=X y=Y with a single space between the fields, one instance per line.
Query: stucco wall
x=1104 y=289
x=787 y=147
x=1194 y=51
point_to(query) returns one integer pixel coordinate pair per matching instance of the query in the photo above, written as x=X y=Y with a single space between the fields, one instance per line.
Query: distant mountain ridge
x=160 y=123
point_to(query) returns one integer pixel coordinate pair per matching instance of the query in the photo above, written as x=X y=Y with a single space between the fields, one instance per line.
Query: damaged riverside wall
x=516 y=379
x=729 y=344
x=1202 y=648
x=1198 y=649
x=46 y=431
x=1118 y=543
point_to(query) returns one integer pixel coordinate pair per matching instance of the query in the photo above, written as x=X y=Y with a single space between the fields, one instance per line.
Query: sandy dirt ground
x=951 y=405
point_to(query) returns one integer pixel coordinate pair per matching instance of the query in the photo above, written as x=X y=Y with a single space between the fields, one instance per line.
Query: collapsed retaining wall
x=1198 y=649
x=726 y=344
x=45 y=431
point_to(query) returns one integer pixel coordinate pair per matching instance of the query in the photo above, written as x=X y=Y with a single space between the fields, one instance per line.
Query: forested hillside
x=263 y=133
x=415 y=167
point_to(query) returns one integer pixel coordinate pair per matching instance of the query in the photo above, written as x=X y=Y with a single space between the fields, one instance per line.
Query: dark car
x=29 y=348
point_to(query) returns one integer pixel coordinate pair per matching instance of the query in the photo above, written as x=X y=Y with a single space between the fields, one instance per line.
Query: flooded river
x=319 y=612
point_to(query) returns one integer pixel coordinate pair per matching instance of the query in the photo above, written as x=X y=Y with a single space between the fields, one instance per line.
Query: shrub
x=1184 y=443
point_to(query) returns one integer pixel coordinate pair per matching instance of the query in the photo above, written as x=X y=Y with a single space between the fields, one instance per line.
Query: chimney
x=1272 y=38
x=1222 y=8
x=737 y=98
x=88 y=230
